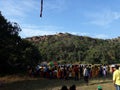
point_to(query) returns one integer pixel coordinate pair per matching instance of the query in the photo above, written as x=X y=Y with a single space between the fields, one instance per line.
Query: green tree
x=9 y=42
x=15 y=53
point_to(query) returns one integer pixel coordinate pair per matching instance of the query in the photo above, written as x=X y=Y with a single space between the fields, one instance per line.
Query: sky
x=93 y=18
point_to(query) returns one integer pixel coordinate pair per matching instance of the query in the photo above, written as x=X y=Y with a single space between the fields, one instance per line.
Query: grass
x=16 y=82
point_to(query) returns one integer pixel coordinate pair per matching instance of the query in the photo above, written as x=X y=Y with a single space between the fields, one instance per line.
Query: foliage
x=15 y=53
x=72 y=48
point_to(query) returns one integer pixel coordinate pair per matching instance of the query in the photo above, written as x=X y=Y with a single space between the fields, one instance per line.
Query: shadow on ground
x=44 y=84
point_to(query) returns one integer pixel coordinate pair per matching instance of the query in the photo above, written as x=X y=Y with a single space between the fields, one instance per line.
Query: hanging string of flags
x=41 y=10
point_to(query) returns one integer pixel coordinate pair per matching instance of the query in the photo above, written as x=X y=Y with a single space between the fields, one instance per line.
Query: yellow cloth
x=116 y=77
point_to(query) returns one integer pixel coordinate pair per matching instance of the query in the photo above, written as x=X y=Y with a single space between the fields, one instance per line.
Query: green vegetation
x=15 y=53
x=72 y=48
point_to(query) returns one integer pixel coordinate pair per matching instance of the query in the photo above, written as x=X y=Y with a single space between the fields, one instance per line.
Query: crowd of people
x=76 y=72
x=70 y=71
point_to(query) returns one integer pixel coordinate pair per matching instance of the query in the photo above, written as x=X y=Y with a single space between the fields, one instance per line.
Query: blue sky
x=93 y=18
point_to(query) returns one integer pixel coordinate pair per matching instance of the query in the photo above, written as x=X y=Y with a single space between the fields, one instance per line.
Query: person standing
x=116 y=78
x=76 y=70
x=86 y=74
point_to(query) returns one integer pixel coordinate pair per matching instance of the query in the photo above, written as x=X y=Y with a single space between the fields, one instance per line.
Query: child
x=73 y=87
x=64 y=88
x=99 y=88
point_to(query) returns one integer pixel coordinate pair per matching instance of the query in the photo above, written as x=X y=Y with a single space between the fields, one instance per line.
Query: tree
x=30 y=54
x=9 y=41
x=15 y=53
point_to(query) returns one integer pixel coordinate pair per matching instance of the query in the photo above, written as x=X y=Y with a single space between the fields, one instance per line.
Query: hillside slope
x=72 y=48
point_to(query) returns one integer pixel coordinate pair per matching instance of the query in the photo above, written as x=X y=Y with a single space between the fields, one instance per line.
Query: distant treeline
x=73 y=48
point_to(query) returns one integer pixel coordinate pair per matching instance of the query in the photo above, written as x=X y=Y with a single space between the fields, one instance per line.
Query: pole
x=41 y=10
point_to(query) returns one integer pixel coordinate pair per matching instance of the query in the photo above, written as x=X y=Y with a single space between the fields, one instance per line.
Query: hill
x=72 y=48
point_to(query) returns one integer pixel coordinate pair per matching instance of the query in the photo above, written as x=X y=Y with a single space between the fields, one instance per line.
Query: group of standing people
x=116 y=76
x=67 y=72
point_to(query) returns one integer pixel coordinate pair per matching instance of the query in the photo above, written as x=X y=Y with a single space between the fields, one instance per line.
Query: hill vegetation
x=73 y=48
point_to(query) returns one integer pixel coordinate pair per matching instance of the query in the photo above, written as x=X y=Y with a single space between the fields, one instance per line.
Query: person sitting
x=99 y=88
x=64 y=87
x=73 y=87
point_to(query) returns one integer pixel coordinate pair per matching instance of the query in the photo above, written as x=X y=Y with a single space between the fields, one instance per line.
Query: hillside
x=72 y=48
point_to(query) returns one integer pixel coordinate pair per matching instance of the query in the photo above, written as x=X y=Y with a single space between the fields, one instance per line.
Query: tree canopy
x=15 y=52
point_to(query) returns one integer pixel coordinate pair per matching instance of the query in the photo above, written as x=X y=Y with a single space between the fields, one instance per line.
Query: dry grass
x=15 y=78
x=16 y=82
